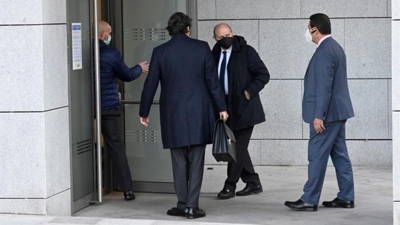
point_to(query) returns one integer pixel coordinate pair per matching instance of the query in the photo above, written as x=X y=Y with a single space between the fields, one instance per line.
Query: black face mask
x=226 y=42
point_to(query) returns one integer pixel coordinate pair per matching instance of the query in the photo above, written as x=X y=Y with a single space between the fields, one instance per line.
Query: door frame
x=86 y=200
x=112 y=12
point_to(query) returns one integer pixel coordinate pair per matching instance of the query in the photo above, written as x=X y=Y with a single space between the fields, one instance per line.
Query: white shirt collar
x=322 y=39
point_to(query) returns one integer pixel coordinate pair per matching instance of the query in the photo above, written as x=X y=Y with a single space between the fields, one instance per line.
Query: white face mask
x=308 y=36
x=107 y=42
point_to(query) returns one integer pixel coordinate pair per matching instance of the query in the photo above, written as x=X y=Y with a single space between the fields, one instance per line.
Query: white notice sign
x=76 y=46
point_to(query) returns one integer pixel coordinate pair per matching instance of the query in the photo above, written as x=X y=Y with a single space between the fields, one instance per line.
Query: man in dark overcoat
x=243 y=75
x=190 y=100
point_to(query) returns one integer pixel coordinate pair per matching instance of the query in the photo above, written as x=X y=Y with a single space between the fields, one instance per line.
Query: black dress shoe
x=337 y=203
x=176 y=212
x=129 y=195
x=250 y=189
x=299 y=205
x=226 y=194
x=193 y=213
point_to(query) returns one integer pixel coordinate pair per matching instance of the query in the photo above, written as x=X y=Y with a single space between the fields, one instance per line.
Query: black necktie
x=222 y=73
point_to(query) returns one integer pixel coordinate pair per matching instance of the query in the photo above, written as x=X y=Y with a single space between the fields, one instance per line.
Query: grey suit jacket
x=326 y=92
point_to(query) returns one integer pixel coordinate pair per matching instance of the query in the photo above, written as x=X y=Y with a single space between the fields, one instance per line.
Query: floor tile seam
x=178 y=222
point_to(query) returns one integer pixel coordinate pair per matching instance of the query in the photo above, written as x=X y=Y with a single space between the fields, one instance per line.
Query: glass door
x=143 y=28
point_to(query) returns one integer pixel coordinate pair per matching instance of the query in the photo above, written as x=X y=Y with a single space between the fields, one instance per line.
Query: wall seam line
x=33 y=24
x=21 y=112
x=216 y=9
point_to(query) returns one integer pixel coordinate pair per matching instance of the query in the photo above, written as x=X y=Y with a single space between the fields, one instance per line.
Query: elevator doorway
x=138 y=27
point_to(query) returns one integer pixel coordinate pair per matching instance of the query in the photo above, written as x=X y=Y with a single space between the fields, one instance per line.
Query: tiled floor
x=374 y=202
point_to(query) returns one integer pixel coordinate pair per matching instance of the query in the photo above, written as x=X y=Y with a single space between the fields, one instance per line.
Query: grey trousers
x=332 y=142
x=188 y=168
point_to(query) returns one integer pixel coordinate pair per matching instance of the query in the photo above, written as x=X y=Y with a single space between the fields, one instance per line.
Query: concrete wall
x=34 y=120
x=396 y=108
x=276 y=30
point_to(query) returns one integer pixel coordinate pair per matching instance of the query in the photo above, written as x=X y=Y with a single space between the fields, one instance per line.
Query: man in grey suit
x=326 y=107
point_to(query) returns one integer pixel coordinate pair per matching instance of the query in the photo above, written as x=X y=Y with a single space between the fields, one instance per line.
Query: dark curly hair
x=178 y=23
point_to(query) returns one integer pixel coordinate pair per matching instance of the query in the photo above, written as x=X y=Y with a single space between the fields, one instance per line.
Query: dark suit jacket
x=326 y=92
x=190 y=93
x=246 y=71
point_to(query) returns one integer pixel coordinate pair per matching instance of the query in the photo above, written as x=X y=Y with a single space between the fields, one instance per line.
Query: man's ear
x=313 y=29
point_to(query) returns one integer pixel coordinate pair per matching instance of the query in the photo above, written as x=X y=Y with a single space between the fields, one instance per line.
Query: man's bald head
x=104 y=30
x=222 y=30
